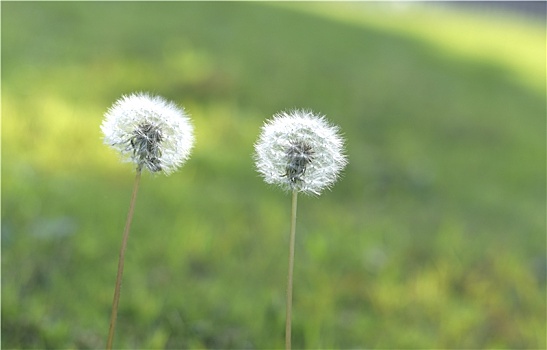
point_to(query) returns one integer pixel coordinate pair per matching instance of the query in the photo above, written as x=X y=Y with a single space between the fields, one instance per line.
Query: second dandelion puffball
x=154 y=133
x=301 y=151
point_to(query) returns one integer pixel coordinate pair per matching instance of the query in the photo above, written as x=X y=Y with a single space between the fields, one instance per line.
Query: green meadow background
x=433 y=238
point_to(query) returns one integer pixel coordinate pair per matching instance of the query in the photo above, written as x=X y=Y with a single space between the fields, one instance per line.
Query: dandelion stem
x=288 y=322
x=116 y=300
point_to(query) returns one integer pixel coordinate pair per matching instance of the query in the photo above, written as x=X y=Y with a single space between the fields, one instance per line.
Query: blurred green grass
x=434 y=237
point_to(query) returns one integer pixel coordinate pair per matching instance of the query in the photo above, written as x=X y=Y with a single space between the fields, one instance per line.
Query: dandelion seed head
x=150 y=131
x=301 y=151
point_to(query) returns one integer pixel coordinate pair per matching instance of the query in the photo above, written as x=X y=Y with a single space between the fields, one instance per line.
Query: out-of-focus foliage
x=434 y=237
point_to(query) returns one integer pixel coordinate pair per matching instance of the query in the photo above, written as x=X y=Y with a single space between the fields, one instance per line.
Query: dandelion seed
x=300 y=150
x=153 y=133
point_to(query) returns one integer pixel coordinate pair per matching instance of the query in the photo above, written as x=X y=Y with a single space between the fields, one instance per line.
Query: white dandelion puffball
x=150 y=131
x=300 y=151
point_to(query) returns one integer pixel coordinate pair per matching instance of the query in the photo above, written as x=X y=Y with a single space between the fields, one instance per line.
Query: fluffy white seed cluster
x=300 y=151
x=150 y=131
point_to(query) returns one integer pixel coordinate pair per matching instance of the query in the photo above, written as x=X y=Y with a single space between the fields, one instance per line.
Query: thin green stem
x=288 y=322
x=116 y=300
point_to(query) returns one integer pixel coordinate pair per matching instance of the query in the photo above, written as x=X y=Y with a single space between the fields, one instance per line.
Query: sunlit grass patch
x=514 y=43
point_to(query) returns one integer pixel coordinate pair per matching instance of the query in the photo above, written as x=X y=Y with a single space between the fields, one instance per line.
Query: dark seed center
x=145 y=142
x=299 y=155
